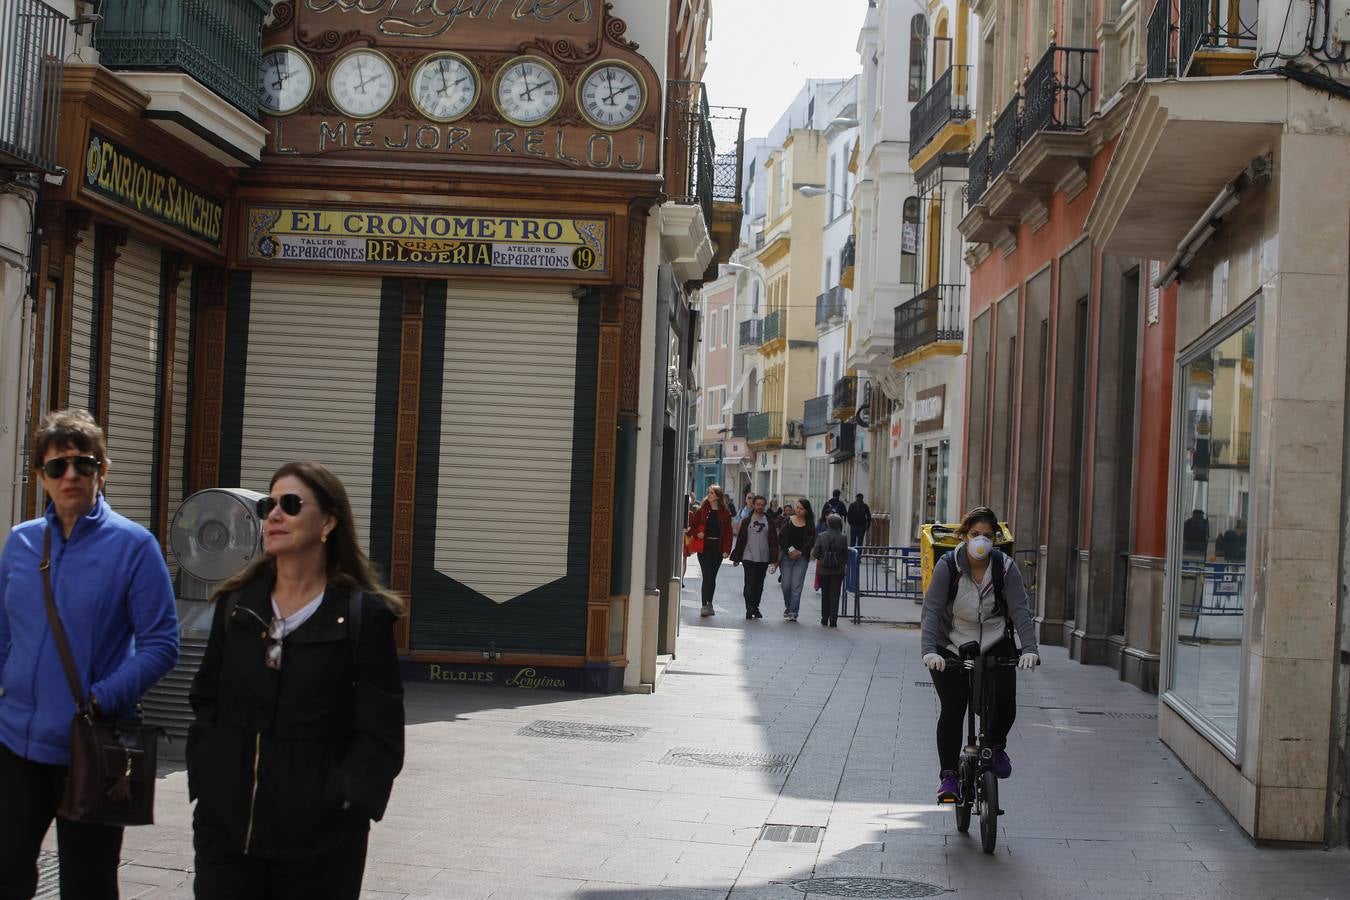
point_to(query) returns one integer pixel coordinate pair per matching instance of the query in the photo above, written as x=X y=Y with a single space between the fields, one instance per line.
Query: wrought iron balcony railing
x=775 y=326
x=831 y=308
x=1179 y=29
x=32 y=52
x=728 y=130
x=980 y=162
x=1007 y=137
x=216 y=42
x=704 y=145
x=844 y=399
x=938 y=314
x=1161 y=49
x=766 y=429
x=848 y=256
x=751 y=332
x=946 y=101
x=740 y=424
x=816 y=414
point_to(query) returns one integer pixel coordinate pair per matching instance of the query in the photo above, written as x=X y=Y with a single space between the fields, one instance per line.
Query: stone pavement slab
x=1097 y=805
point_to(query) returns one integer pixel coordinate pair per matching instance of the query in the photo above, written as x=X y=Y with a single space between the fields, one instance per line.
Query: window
x=782 y=184
x=830 y=186
x=909 y=241
x=726 y=326
x=754 y=299
x=829 y=273
x=918 y=57
x=824 y=367
x=711 y=340
x=837 y=372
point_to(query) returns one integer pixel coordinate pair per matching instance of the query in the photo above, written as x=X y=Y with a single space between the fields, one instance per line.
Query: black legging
x=954 y=693
x=709 y=561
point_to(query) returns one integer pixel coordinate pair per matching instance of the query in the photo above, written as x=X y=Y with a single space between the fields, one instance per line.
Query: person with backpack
x=299 y=706
x=976 y=595
x=859 y=520
x=831 y=555
x=834 y=507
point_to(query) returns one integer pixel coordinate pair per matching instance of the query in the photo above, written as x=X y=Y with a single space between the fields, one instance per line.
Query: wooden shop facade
x=431 y=281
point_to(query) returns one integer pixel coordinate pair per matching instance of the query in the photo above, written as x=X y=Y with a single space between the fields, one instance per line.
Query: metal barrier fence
x=876 y=572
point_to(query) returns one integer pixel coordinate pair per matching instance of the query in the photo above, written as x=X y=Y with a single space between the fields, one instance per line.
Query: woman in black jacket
x=299 y=706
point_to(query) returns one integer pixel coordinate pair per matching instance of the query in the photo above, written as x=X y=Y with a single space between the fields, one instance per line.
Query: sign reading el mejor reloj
x=132 y=181
x=369 y=238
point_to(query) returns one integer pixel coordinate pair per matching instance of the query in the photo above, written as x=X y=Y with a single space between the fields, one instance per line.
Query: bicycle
x=979 y=784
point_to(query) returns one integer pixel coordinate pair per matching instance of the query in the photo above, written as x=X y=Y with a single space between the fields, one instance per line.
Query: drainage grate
x=923 y=684
x=792 y=834
x=1116 y=715
x=867 y=887
x=723 y=759
x=583 y=731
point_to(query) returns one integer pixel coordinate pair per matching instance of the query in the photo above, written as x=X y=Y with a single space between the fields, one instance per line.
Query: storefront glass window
x=1209 y=556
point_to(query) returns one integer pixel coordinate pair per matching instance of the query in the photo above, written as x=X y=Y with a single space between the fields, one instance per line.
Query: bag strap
x=54 y=622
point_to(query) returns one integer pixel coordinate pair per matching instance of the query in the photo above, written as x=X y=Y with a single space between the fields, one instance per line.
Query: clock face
x=285 y=80
x=611 y=96
x=362 y=83
x=444 y=87
x=528 y=91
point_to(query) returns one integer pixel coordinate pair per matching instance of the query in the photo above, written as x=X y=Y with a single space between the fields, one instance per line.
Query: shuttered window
x=310 y=388
x=505 y=480
x=82 y=324
x=134 y=380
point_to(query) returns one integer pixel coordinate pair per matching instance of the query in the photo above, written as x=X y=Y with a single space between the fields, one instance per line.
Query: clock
x=362 y=83
x=285 y=80
x=444 y=87
x=611 y=95
x=527 y=91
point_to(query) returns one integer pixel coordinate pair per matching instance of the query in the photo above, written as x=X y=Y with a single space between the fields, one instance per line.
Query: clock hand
x=440 y=67
x=623 y=90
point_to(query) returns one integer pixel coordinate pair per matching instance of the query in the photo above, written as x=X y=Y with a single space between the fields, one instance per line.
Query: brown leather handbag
x=111 y=778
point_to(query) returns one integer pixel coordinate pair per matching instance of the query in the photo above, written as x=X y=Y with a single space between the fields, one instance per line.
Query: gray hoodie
x=937 y=615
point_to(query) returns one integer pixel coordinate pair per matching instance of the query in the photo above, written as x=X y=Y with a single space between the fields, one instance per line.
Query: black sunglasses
x=85 y=465
x=290 y=504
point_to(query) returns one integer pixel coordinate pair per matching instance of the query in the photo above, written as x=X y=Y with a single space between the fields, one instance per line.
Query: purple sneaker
x=1001 y=766
x=950 y=789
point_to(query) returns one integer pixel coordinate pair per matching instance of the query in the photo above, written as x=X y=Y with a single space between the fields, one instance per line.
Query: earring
x=323 y=539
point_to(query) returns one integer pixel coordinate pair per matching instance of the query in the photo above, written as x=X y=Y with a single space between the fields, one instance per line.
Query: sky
x=761 y=51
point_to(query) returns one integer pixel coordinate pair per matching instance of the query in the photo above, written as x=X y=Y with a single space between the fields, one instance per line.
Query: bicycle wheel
x=963 y=806
x=989 y=812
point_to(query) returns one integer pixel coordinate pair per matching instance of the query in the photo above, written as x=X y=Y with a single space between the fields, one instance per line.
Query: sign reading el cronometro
x=369 y=238
x=131 y=180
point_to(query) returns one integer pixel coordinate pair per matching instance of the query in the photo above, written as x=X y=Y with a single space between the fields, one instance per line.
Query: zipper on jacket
x=253 y=795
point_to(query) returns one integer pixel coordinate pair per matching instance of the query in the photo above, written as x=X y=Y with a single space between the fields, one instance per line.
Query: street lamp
x=815 y=190
x=842 y=122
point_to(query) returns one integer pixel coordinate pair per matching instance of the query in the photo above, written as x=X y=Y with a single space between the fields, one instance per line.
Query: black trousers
x=755 y=573
x=230 y=875
x=857 y=535
x=30 y=792
x=709 y=562
x=953 y=691
x=831 y=585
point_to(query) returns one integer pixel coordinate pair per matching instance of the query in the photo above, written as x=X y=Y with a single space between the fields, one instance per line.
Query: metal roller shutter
x=310 y=394
x=134 y=380
x=82 y=323
x=178 y=449
x=505 y=480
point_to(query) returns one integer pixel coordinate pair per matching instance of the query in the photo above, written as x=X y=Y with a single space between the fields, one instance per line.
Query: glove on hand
x=934 y=662
x=1029 y=661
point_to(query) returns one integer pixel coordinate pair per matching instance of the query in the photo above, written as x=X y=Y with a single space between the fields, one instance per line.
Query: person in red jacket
x=711 y=524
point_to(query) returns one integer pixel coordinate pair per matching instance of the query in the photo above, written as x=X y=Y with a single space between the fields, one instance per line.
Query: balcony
x=831 y=308
x=946 y=103
x=765 y=430
x=844 y=400
x=32 y=51
x=931 y=324
x=816 y=415
x=752 y=331
x=1189 y=38
x=773 y=338
x=1037 y=147
x=847 y=258
x=704 y=148
x=740 y=424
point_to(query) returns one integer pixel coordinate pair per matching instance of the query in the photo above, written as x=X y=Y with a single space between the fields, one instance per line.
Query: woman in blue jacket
x=116 y=602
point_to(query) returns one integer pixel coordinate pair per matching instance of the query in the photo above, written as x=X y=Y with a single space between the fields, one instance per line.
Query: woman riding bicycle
x=976 y=595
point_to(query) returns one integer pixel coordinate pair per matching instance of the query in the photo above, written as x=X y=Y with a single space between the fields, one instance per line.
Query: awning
x=730 y=405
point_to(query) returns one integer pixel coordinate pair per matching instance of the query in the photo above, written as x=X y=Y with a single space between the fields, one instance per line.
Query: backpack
x=831 y=558
x=954 y=578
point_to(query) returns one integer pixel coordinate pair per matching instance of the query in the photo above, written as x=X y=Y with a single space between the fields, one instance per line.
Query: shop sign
x=897 y=432
x=130 y=180
x=457 y=23
x=525 y=678
x=424 y=240
x=930 y=408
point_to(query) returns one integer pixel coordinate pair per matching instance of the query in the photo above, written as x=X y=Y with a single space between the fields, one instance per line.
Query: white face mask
x=978 y=547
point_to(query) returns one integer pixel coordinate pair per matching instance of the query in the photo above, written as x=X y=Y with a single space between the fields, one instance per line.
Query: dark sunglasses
x=272 y=638
x=85 y=465
x=290 y=504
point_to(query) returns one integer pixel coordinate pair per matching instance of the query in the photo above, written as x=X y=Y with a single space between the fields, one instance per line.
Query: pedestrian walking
x=796 y=537
x=112 y=592
x=831 y=555
x=747 y=507
x=710 y=530
x=859 y=520
x=299 y=706
x=834 y=507
x=757 y=550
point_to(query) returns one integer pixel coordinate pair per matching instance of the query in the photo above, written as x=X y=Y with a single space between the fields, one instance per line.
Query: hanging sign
x=897 y=432
x=930 y=409
x=132 y=181
x=371 y=238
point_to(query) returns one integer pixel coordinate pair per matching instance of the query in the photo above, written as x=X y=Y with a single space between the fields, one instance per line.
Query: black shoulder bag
x=111 y=778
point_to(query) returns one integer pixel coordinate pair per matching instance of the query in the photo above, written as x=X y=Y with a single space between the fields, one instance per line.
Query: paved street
x=500 y=798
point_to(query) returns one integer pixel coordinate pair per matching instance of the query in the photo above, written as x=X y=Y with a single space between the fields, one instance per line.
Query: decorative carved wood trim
x=597 y=629
x=76 y=223
x=115 y=238
x=405 y=453
x=51 y=252
x=606 y=434
x=173 y=278
x=631 y=312
x=208 y=353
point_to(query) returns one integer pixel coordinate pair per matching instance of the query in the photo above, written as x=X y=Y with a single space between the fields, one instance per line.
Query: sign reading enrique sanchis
x=425 y=240
x=132 y=181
